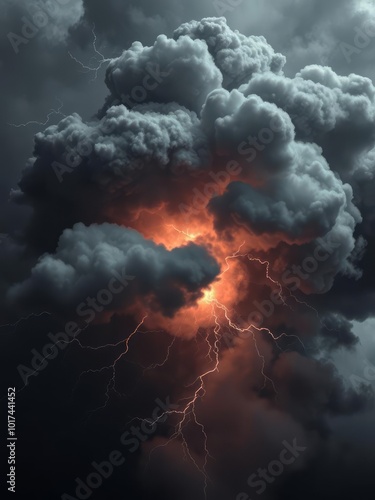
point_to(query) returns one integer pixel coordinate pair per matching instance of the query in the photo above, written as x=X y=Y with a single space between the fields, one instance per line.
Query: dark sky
x=248 y=306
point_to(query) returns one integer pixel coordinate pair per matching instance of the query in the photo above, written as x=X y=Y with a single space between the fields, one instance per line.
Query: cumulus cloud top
x=237 y=56
x=302 y=143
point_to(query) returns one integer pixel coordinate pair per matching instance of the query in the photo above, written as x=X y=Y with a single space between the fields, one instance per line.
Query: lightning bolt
x=221 y=316
x=290 y=293
x=189 y=236
x=42 y=124
x=25 y=318
x=165 y=359
x=266 y=263
x=113 y=366
x=111 y=386
x=189 y=413
x=100 y=59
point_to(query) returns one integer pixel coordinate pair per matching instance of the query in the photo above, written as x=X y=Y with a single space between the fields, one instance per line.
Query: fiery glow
x=215 y=312
x=208 y=296
x=174 y=231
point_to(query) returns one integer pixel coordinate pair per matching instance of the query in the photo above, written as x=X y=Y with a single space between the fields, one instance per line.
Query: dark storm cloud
x=179 y=70
x=120 y=148
x=306 y=32
x=187 y=68
x=34 y=74
x=237 y=56
x=235 y=414
x=320 y=153
x=121 y=158
x=225 y=118
x=271 y=210
x=296 y=196
x=338 y=113
x=336 y=332
x=87 y=257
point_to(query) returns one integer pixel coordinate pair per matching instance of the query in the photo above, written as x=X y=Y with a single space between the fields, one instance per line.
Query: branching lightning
x=221 y=318
x=112 y=381
x=25 y=318
x=100 y=59
x=42 y=124
x=164 y=360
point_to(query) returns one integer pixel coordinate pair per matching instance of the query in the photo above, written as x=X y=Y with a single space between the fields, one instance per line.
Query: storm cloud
x=259 y=127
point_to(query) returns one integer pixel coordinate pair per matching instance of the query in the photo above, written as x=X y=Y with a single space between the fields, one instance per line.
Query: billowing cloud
x=237 y=56
x=179 y=70
x=87 y=258
x=239 y=199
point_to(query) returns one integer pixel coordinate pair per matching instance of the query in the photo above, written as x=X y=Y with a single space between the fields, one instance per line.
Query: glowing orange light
x=208 y=296
x=174 y=230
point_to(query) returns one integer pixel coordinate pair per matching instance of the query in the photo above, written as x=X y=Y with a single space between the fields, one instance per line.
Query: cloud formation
x=88 y=257
x=280 y=172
